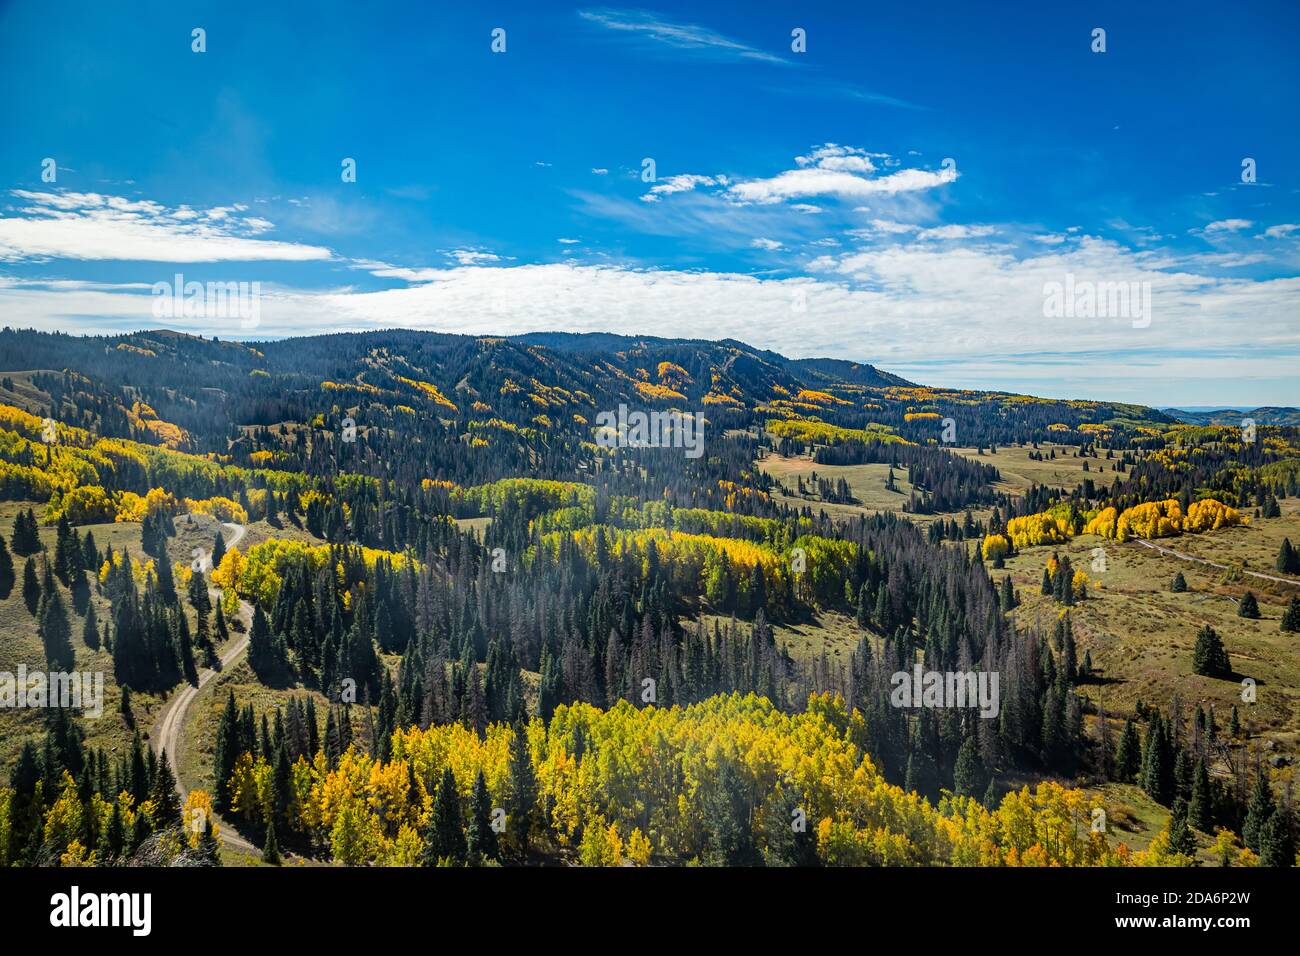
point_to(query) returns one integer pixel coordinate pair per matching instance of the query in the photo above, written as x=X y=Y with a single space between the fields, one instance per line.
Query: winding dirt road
x=168 y=728
x=1214 y=564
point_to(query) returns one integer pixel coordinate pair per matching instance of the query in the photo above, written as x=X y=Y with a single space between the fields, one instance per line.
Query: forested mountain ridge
x=455 y=598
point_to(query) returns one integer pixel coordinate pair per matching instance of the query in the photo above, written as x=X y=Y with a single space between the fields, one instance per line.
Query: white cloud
x=1283 y=231
x=1226 y=225
x=473 y=257
x=955 y=232
x=88 y=226
x=889 y=226
x=810 y=181
x=600 y=171
x=679 y=184
x=771 y=245
x=569 y=242
x=931 y=312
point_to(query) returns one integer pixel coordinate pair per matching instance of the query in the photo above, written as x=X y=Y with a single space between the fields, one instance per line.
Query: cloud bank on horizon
x=787 y=179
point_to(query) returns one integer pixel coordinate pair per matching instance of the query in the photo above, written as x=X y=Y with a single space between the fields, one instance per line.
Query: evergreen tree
x=31 y=586
x=56 y=632
x=164 y=794
x=1276 y=843
x=1180 y=583
x=791 y=838
x=522 y=807
x=1209 y=657
x=729 y=835
x=1249 y=606
x=90 y=629
x=1180 y=835
x=112 y=840
x=1157 y=763
x=1258 y=810
x=271 y=848
x=26 y=537
x=1200 y=809
x=968 y=774
x=218 y=550
x=481 y=839
x=445 y=839
x=1288 y=558
x=225 y=753
x=209 y=848
x=1291 y=616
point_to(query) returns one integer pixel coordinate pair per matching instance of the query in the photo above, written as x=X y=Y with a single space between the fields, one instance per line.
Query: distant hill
x=1266 y=415
x=813 y=372
x=550 y=385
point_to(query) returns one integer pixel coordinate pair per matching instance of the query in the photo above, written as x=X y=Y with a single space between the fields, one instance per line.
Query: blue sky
x=801 y=200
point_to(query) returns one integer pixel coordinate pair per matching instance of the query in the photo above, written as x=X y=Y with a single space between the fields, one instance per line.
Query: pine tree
x=164 y=793
x=792 y=840
x=1276 y=843
x=1209 y=657
x=1258 y=810
x=1180 y=583
x=1249 y=606
x=90 y=629
x=1180 y=835
x=1291 y=616
x=1286 y=557
x=1129 y=753
x=729 y=838
x=26 y=537
x=112 y=840
x=31 y=586
x=225 y=753
x=209 y=848
x=1201 y=807
x=56 y=632
x=271 y=848
x=968 y=775
x=218 y=550
x=481 y=839
x=445 y=839
x=1157 y=763
x=523 y=792
x=1008 y=595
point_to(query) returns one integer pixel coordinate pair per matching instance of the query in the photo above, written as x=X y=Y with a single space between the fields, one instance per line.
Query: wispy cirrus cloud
x=91 y=226
x=652 y=31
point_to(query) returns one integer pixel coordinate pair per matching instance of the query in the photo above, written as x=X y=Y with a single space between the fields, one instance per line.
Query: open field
x=867 y=482
x=831 y=632
x=1140 y=634
x=1019 y=472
